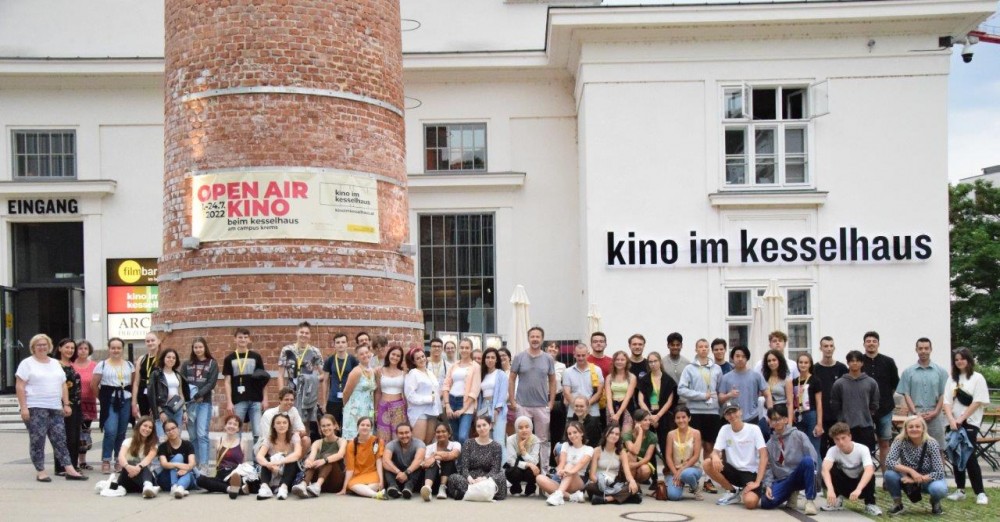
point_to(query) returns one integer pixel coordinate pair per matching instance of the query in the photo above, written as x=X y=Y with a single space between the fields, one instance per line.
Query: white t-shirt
x=975 y=386
x=573 y=455
x=173 y=383
x=741 y=447
x=853 y=463
x=432 y=448
x=45 y=382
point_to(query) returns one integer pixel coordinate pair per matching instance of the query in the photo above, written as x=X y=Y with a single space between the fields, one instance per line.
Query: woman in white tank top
x=390 y=409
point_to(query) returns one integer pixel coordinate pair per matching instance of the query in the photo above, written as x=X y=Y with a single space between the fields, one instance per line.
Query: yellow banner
x=335 y=205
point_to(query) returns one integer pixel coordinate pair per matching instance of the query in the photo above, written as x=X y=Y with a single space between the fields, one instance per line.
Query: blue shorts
x=883 y=427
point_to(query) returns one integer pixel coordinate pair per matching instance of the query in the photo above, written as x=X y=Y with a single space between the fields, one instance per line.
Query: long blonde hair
x=923 y=425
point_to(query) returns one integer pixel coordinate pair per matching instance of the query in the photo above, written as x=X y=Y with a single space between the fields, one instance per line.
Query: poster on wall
x=337 y=205
x=133 y=296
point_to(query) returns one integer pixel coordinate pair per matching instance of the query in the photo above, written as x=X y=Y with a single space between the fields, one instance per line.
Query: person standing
x=168 y=391
x=808 y=392
x=462 y=389
x=922 y=387
x=436 y=363
x=140 y=385
x=854 y=399
x=301 y=369
x=43 y=400
x=379 y=346
x=657 y=395
x=390 y=404
x=532 y=387
x=777 y=340
x=84 y=366
x=965 y=398
x=244 y=395
x=827 y=370
x=744 y=386
x=423 y=395
x=65 y=353
x=362 y=339
x=674 y=363
x=719 y=351
x=883 y=369
x=637 y=361
x=579 y=379
x=699 y=385
x=779 y=383
x=557 y=417
x=336 y=369
x=619 y=388
x=359 y=395
x=598 y=343
x=112 y=383
x=493 y=395
x=202 y=373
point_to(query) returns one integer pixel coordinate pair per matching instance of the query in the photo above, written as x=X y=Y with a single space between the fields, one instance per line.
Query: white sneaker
x=873 y=510
x=555 y=499
x=282 y=492
x=957 y=495
x=299 y=490
x=425 y=493
x=148 y=491
x=793 y=500
x=810 y=508
x=179 y=492
x=731 y=497
x=982 y=499
x=577 y=497
x=264 y=492
x=313 y=490
x=836 y=506
x=442 y=493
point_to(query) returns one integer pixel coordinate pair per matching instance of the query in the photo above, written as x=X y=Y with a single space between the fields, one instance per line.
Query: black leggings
x=134 y=484
x=288 y=473
x=442 y=469
x=73 y=423
x=972 y=465
x=216 y=484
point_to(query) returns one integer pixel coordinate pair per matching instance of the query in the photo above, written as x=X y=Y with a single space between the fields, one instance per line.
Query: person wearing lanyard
x=301 y=370
x=335 y=371
x=111 y=384
x=140 y=385
x=243 y=396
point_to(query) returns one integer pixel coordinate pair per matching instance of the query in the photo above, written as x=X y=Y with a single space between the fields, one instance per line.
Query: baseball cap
x=730 y=405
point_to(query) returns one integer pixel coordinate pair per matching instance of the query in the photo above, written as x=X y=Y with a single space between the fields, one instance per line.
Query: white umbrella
x=758 y=332
x=774 y=307
x=593 y=319
x=522 y=321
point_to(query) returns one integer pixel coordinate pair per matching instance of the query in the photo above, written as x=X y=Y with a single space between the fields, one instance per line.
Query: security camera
x=967 y=46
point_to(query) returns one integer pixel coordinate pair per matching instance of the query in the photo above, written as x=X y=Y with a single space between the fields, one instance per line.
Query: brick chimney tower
x=285 y=193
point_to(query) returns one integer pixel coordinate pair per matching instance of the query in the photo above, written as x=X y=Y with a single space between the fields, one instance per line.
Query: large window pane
x=739 y=303
x=798 y=302
x=764 y=141
x=764 y=104
x=795 y=141
x=44 y=154
x=735 y=141
x=798 y=335
x=739 y=334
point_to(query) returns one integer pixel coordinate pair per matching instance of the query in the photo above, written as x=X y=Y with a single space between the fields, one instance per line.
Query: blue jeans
x=806 y=424
x=176 y=417
x=241 y=409
x=802 y=478
x=689 y=478
x=114 y=429
x=937 y=489
x=170 y=477
x=199 y=417
x=460 y=426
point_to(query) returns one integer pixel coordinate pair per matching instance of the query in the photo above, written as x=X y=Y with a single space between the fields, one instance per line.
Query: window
x=765 y=137
x=44 y=154
x=457 y=273
x=798 y=317
x=455 y=147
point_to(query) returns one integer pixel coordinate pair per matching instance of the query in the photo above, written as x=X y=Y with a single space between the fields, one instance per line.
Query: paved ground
x=22 y=498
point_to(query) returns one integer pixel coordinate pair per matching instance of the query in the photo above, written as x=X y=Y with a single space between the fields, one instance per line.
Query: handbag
x=912 y=489
x=174 y=405
x=482 y=491
x=962 y=396
x=661 y=490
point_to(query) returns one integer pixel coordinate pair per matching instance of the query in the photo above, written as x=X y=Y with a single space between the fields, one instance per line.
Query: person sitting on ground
x=574 y=461
x=440 y=460
x=848 y=471
x=641 y=444
x=363 y=462
x=481 y=458
x=915 y=458
x=791 y=464
x=228 y=457
x=278 y=457
x=324 y=467
x=682 y=457
x=401 y=463
x=177 y=459
x=611 y=480
x=739 y=459
x=135 y=457
x=286 y=405
x=522 y=457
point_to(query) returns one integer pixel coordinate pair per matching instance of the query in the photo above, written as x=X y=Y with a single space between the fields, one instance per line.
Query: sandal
x=105 y=467
x=84 y=465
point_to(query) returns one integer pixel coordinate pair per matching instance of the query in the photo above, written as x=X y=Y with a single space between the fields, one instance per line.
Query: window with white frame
x=45 y=154
x=798 y=312
x=766 y=130
x=454 y=147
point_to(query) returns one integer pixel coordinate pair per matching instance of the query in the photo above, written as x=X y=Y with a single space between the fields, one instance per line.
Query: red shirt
x=604 y=363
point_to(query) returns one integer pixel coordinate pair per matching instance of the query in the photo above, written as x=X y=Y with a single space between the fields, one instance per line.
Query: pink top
x=88 y=402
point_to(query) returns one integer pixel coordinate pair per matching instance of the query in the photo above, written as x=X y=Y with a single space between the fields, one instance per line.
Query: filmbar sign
x=849 y=245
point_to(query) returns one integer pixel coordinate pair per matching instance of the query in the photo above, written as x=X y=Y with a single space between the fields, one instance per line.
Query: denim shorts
x=883 y=427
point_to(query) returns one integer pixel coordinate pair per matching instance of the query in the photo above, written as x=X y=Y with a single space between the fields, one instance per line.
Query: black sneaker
x=598 y=500
x=407 y=494
x=896 y=509
x=392 y=492
x=936 y=508
x=529 y=490
x=515 y=488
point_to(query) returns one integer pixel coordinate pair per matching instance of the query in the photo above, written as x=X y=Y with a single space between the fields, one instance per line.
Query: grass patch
x=965 y=510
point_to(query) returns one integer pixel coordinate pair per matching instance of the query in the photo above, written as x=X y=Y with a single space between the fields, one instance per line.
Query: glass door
x=9 y=345
x=76 y=313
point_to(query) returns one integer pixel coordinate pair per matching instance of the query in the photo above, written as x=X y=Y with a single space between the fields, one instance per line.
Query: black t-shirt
x=883 y=369
x=639 y=369
x=240 y=369
x=166 y=450
x=338 y=379
x=815 y=385
x=827 y=376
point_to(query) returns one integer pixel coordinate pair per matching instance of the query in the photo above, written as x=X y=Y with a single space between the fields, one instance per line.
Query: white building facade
x=574 y=148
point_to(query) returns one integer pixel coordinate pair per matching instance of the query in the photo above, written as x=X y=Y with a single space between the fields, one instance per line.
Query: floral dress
x=361 y=404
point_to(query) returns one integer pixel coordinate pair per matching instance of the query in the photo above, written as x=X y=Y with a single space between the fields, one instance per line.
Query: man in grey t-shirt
x=533 y=376
x=401 y=463
x=743 y=384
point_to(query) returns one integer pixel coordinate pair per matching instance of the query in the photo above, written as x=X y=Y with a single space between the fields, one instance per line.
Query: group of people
x=458 y=422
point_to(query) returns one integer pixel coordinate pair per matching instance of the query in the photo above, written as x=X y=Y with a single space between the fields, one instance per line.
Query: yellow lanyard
x=301 y=357
x=148 y=363
x=340 y=370
x=120 y=371
x=242 y=365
